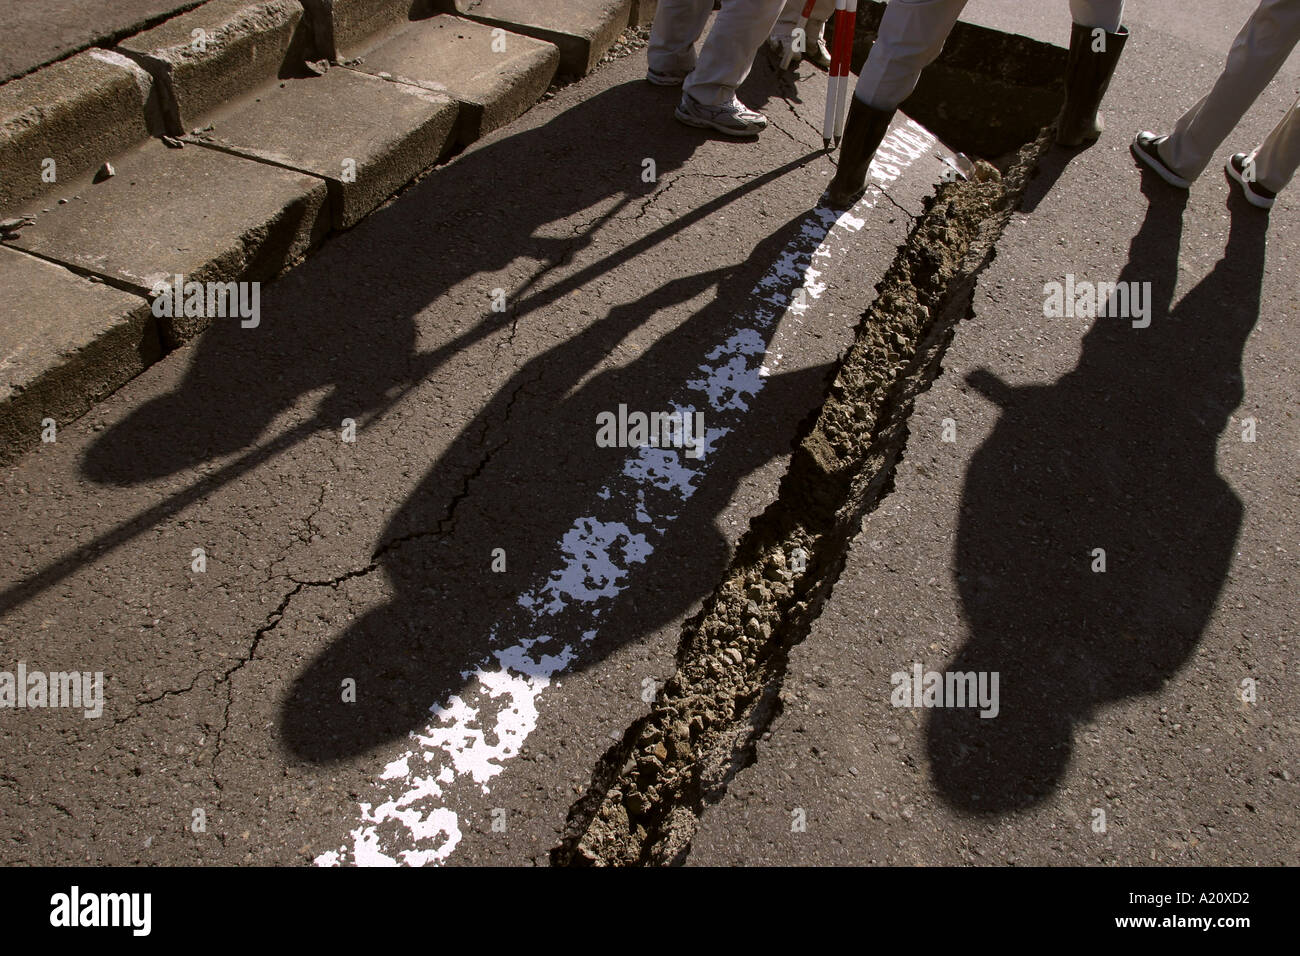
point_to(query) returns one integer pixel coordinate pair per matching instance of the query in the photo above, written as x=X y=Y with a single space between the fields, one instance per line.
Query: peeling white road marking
x=471 y=735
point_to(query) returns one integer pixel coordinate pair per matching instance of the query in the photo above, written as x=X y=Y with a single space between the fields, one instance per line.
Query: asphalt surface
x=371 y=561
x=1120 y=692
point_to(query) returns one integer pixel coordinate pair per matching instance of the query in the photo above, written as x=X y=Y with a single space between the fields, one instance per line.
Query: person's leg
x=788 y=19
x=1097 y=39
x=728 y=52
x=911 y=36
x=677 y=25
x=1279 y=155
x=814 y=46
x=816 y=50
x=1107 y=14
x=1257 y=54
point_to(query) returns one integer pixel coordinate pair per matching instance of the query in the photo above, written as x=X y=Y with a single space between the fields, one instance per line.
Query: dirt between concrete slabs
x=649 y=790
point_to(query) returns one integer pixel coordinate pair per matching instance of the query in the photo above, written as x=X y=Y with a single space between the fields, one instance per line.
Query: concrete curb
x=381 y=135
x=582 y=29
x=219 y=52
x=66 y=119
x=169 y=213
x=338 y=26
x=99 y=242
x=494 y=79
x=72 y=343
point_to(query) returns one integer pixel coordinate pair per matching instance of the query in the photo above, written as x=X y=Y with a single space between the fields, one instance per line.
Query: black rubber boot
x=863 y=131
x=1087 y=74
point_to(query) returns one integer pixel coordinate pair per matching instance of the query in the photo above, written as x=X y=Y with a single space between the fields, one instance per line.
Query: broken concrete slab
x=199 y=213
x=365 y=136
x=219 y=52
x=582 y=30
x=495 y=79
x=70 y=117
x=66 y=343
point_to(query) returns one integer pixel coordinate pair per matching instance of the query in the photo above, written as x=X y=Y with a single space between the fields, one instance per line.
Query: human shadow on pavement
x=346 y=319
x=343 y=331
x=1119 y=454
x=639 y=564
x=343 y=326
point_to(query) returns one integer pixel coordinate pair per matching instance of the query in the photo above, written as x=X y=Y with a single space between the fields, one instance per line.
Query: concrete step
x=277 y=155
x=339 y=27
x=219 y=52
x=67 y=343
x=199 y=213
x=495 y=78
x=582 y=29
x=643 y=13
x=365 y=137
x=70 y=117
x=82 y=111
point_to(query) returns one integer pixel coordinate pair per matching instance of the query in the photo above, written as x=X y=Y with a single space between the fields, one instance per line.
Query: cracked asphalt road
x=371 y=561
x=1123 y=737
x=374 y=566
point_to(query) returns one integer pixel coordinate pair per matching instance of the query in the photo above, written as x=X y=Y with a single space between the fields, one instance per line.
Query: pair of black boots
x=1087 y=74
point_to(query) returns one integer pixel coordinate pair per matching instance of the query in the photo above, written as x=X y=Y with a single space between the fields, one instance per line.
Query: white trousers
x=912 y=34
x=1256 y=55
x=789 y=18
x=727 y=54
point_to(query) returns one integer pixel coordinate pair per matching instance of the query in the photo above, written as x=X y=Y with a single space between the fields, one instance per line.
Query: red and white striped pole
x=843 y=93
x=833 y=81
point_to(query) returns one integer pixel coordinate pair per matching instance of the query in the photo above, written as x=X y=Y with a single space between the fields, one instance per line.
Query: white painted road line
x=633 y=511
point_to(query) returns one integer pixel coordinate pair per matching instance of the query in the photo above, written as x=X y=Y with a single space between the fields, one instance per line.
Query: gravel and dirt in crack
x=647 y=793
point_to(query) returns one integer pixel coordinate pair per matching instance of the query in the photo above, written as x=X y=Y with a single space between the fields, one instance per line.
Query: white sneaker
x=820 y=54
x=733 y=119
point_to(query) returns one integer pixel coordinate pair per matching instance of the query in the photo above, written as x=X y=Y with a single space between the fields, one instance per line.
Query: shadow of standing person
x=348 y=321
x=1119 y=454
x=635 y=560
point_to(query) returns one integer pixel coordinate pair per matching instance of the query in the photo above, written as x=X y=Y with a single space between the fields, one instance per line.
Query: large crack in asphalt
x=446 y=524
x=649 y=790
